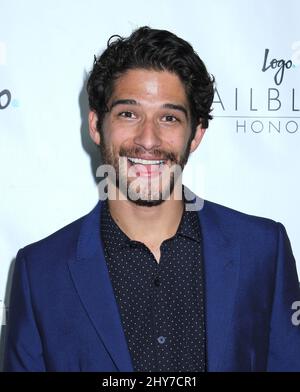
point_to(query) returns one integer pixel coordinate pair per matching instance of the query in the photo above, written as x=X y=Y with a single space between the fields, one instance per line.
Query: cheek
x=118 y=134
x=177 y=144
x=113 y=137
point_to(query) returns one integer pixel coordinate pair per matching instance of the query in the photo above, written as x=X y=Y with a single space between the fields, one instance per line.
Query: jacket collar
x=91 y=279
x=221 y=261
x=221 y=255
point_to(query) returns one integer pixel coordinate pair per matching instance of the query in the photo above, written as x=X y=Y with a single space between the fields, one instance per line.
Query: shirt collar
x=113 y=237
x=189 y=226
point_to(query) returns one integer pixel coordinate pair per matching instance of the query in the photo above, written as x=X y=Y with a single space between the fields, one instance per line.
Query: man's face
x=146 y=132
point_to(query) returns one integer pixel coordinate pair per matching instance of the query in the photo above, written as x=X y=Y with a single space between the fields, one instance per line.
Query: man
x=152 y=280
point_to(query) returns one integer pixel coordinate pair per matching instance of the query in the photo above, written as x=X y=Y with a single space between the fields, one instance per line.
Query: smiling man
x=144 y=135
x=144 y=283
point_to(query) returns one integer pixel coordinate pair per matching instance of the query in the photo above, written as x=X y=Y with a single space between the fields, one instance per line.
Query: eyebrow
x=165 y=105
x=176 y=107
x=123 y=102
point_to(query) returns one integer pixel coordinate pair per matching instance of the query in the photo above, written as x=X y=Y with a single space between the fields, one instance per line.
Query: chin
x=141 y=195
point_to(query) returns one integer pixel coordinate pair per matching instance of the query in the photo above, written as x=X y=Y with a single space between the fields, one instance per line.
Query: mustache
x=138 y=152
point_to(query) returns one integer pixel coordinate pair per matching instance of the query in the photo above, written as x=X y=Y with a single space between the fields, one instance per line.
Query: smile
x=145 y=161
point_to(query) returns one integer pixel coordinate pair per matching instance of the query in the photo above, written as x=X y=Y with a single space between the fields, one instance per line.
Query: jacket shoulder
x=227 y=212
x=234 y=221
x=55 y=248
x=257 y=237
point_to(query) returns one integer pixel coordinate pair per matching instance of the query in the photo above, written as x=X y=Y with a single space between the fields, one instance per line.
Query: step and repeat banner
x=249 y=159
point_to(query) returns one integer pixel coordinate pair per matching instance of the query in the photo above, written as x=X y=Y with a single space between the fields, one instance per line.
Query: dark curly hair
x=158 y=50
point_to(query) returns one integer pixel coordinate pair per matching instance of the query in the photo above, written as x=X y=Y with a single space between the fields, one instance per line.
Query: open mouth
x=146 y=161
x=145 y=167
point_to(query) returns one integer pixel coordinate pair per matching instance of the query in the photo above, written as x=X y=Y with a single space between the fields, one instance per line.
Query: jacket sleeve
x=23 y=349
x=284 y=343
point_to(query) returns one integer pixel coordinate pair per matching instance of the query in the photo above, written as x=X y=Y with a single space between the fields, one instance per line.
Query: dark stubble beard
x=108 y=158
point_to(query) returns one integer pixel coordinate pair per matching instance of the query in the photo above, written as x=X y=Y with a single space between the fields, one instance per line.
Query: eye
x=170 y=118
x=127 y=114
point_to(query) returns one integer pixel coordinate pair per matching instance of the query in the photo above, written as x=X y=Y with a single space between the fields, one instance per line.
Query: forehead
x=150 y=86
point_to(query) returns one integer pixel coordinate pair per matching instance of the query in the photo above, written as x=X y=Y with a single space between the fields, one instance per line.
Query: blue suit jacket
x=63 y=315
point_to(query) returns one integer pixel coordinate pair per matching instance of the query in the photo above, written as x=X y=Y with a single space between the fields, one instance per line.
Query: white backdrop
x=249 y=159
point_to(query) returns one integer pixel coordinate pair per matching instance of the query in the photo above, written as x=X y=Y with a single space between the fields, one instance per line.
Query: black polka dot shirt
x=161 y=304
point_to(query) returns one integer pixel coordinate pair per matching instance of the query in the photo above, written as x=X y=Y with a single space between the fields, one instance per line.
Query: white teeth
x=145 y=161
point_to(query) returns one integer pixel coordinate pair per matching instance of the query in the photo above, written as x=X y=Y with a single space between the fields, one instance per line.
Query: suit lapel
x=221 y=266
x=91 y=279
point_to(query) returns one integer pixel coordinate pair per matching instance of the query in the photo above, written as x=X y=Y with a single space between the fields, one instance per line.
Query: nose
x=147 y=135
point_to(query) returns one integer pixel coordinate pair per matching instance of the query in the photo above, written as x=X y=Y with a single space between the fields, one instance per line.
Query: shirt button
x=161 y=340
x=157 y=281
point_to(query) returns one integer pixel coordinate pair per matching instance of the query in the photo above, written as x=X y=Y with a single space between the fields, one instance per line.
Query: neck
x=150 y=225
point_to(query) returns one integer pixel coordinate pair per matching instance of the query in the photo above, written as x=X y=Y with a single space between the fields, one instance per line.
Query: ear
x=197 y=138
x=94 y=133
